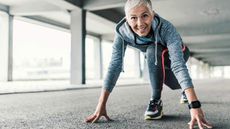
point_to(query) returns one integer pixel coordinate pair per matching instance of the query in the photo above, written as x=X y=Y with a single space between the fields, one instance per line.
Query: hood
x=125 y=32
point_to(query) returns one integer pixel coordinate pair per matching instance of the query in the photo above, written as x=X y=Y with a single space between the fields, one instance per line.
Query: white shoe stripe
x=151 y=113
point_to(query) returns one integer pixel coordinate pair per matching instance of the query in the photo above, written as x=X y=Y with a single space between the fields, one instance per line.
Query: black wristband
x=194 y=104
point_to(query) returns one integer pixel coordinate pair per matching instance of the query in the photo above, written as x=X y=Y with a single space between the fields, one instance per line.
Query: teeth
x=141 y=28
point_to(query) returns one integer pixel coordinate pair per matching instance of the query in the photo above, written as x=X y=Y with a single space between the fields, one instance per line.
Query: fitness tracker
x=194 y=104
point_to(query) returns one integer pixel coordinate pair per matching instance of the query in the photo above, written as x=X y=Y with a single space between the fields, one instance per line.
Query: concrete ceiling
x=204 y=25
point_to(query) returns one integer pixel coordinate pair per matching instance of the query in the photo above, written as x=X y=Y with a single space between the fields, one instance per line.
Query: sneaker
x=154 y=110
x=183 y=98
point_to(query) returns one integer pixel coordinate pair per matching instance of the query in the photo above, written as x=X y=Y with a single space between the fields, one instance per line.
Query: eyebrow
x=141 y=13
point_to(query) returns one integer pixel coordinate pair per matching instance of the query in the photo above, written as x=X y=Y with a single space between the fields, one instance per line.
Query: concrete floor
x=126 y=105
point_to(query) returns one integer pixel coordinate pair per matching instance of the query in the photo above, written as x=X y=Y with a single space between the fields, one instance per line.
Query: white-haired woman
x=143 y=29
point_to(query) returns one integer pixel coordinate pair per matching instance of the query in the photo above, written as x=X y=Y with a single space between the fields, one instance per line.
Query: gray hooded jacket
x=165 y=34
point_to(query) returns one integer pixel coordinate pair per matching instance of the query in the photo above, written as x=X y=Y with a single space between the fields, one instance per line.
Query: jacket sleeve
x=116 y=62
x=178 y=65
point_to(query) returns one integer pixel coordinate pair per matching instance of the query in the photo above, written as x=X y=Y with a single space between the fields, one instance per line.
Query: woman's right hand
x=100 y=111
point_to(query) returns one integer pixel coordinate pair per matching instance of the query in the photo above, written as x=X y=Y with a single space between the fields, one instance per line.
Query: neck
x=150 y=34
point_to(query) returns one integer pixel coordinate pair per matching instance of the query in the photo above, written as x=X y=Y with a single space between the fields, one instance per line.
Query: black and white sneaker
x=183 y=98
x=154 y=110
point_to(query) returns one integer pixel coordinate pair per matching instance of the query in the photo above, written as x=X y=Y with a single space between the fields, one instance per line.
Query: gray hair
x=134 y=3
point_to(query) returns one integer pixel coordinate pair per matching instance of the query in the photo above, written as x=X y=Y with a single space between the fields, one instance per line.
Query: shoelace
x=153 y=105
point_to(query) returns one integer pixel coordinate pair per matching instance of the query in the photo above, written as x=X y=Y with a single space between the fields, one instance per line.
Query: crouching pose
x=166 y=57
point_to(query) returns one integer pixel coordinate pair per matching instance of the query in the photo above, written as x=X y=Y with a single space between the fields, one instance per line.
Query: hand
x=197 y=115
x=100 y=111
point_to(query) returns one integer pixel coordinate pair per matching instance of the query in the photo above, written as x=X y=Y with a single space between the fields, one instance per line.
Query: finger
x=107 y=117
x=209 y=126
x=96 y=119
x=90 y=118
x=206 y=124
x=200 y=124
x=192 y=123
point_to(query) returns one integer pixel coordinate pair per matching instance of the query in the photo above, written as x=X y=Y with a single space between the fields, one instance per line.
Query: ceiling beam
x=209 y=45
x=102 y=4
x=212 y=54
x=198 y=39
x=108 y=37
x=100 y=25
x=48 y=21
x=204 y=28
x=78 y=3
x=40 y=8
x=208 y=50
x=215 y=61
x=4 y=8
x=62 y=4
x=117 y=16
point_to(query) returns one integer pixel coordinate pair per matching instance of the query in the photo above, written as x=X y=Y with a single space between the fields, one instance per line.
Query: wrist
x=194 y=104
x=191 y=95
x=102 y=102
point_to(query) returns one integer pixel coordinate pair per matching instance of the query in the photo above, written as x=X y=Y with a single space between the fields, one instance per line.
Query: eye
x=145 y=15
x=133 y=18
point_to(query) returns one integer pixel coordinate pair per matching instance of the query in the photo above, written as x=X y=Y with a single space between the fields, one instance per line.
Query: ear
x=153 y=13
x=127 y=20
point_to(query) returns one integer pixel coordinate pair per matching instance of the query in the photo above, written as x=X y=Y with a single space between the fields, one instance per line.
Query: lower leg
x=155 y=73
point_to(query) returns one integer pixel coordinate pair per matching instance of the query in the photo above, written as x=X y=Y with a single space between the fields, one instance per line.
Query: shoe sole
x=154 y=118
x=183 y=102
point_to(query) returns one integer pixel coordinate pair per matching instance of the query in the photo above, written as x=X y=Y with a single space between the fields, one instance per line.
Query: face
x=140 y=20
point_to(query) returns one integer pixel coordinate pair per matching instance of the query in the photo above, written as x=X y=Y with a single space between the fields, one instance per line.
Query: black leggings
x=161 y=72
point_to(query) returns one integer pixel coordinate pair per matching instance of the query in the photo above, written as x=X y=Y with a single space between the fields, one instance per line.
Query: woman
x=166 y=58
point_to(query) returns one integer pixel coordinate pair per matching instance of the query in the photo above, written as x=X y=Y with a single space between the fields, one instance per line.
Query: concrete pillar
x=198 y=69
x=98 y=58
x=145 y=72
x=222 y=72
x=10 y=53
x=207 y=71
x=194 y=67
x=4 y=46
x=138 y=63
x=201 y=71
x=78 y=34
x=211 y=70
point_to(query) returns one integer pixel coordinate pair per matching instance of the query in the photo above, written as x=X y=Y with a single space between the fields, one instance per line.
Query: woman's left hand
x=197 y=116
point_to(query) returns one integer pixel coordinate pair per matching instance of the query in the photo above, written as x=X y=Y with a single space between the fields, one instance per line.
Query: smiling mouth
x=142 y=30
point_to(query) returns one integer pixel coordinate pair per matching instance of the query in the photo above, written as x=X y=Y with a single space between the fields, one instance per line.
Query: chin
x=142 y=35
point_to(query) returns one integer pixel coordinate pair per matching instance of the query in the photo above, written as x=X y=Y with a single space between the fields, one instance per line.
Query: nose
x=140 y=21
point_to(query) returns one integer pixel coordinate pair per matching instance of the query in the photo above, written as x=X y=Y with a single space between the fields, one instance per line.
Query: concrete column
x=98 y=58
x=207 y=71
x=4 y=46
x=10 y=53
x=145 y=72
x=201 y=70
x=222 y=72
x=193 y=67
x=138 y=63
x=211 y=70
x=78 y=34
x=198 y=69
